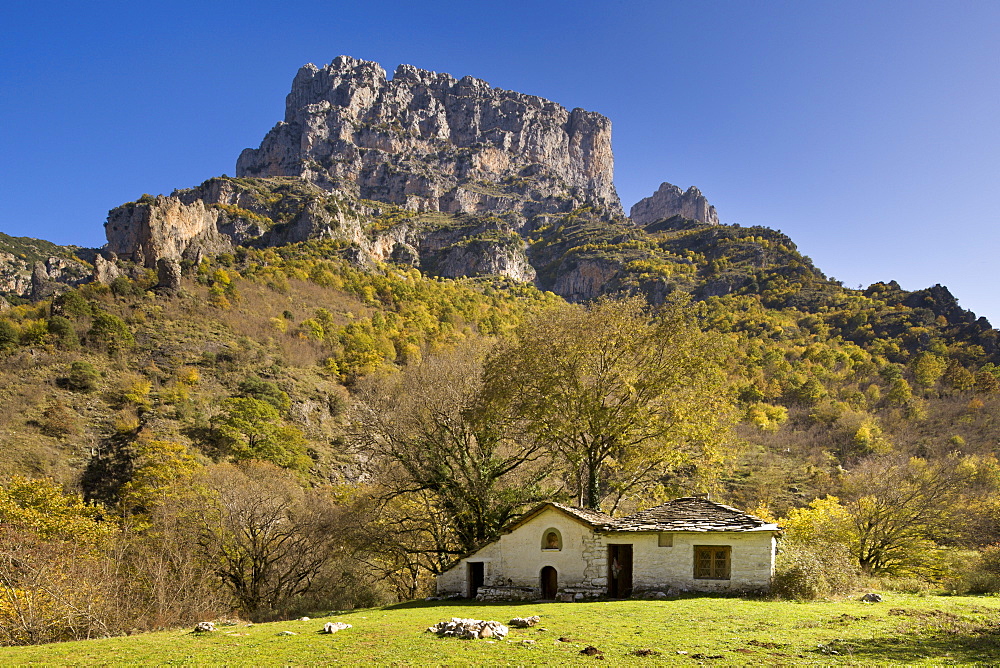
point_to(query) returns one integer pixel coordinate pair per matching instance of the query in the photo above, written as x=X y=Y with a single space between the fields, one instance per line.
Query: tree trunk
x=593 y=494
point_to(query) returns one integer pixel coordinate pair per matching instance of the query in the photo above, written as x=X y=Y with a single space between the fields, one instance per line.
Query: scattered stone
x=204 y=627
x=229 y=622
x=333 y=627
x=565 y=639
x=872 y=597
x=470 y=628
x=527 y=642
x=645 y=652
x=524 y=622
x=590 y=650
x=682 y=651
x=565 y=597
x=303 y=619
x=699 y=655
x=578 y=596
x=286 y=633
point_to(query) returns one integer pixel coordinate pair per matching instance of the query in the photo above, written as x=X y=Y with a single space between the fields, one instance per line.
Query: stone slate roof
x=593 y=517
x=691 y=513
x=688 y=513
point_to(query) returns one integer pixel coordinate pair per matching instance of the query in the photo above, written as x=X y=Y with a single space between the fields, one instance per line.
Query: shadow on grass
x=979 y=645
x=460 y=602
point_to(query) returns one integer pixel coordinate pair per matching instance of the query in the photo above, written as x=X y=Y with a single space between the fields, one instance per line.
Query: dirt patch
x=765 y=644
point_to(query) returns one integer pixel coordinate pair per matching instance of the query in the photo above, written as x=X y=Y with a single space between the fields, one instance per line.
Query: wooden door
x=619 y=571
x=550 y=583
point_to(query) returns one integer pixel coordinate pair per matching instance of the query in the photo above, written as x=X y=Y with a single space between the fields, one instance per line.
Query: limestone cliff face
x=429 y=142
x=668 y=201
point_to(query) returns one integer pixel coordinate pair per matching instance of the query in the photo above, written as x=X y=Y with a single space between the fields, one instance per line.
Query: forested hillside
x=272 y=396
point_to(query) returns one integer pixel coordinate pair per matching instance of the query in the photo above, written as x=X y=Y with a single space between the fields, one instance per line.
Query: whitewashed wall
x=518 y=558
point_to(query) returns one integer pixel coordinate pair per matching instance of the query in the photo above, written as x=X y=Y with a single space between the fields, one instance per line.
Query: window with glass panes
x=711 y=562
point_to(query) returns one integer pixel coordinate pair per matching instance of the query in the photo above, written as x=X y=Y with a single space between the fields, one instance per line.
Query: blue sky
x=866 y=130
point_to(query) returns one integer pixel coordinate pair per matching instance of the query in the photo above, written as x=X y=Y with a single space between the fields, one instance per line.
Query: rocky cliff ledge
x=669 y=201
x=429 y=142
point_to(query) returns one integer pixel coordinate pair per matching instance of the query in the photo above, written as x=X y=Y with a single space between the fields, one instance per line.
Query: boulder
x=204 y=627
x=524 y=622
x=333 y=627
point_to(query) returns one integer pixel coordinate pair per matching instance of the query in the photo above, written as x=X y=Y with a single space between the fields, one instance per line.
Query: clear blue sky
x=866 y=130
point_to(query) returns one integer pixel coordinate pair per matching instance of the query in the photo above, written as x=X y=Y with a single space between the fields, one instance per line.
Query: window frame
x=559 y=540
x=717 y=569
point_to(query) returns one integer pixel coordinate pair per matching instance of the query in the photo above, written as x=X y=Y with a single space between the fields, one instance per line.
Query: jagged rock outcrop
x=429 y=142
x=669 y=201
x=36 y=277
x=168 y=275
x=223 y=213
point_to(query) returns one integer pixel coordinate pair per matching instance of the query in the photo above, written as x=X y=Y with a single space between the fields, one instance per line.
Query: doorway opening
x=550 y=583
x=619 y=571
x=477 y=575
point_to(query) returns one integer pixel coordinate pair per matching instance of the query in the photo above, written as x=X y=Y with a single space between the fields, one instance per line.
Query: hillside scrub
x=275 y=355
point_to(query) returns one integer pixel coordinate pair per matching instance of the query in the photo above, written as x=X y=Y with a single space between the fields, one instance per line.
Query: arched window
x=551 y=539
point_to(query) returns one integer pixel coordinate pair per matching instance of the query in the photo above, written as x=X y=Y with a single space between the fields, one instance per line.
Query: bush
x=83 y=377
x=809 y=571
x=62 y=330
x=975 y=573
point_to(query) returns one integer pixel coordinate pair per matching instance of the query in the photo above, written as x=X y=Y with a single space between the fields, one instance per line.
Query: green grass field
x=901 y=629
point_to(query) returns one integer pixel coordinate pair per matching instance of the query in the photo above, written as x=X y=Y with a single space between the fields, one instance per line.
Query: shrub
x=83 y=377
x=809 y=571
x=62 y=330
x=975 y=573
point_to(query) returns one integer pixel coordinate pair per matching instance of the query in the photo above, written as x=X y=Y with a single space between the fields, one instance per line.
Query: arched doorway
x=550 y=583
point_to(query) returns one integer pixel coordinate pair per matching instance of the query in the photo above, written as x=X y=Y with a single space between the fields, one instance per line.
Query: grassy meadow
x=704 y=630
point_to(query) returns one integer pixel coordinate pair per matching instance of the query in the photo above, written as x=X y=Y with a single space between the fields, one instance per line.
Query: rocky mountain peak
x=669 y=200
x=429 y=142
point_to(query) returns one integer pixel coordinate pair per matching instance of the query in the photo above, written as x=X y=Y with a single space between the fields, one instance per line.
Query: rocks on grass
x=872 y=597
x=524 y=622
x=333 y=627
x=204 y=627
x=470 y=628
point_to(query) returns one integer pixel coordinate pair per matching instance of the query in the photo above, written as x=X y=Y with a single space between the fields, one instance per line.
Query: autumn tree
x=620 y=395
x=899 y=507
x=269 y=538
x=432 y=430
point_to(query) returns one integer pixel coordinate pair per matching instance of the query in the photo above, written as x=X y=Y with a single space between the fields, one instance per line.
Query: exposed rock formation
x=668 y=201
x=41 y=278
x=168 y=274
x=429 y=142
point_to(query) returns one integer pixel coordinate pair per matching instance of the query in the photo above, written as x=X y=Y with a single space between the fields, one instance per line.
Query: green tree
x=83 y=377
x=621 y=396
x=253 y=429
x=265 y=390
x=110 y=331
